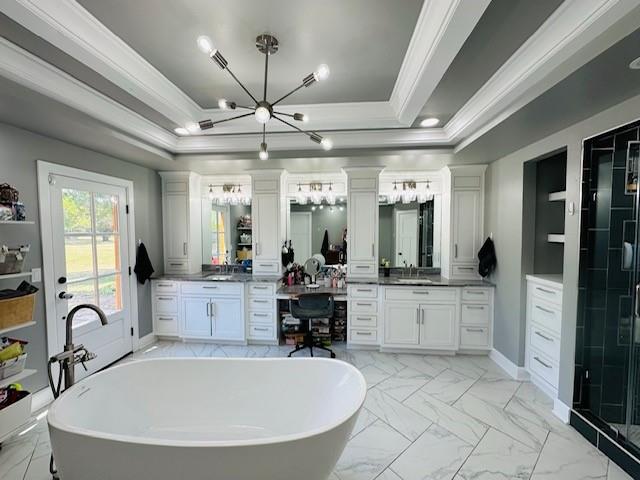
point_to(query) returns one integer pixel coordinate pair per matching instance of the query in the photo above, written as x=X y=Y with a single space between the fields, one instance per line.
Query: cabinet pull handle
x=474 y=307
x=545 y=310
x=213 y=309
x=364 y=290
x=258 y=329
x=362 y=266
x=165 y=298
x=255 y=300
x=364 y=319
x=420 y=292
x=545 y=365
x=265 y=265
x=261 y=315
x=165 y=285
x=373 y=250
x=544 y=290
x=542 y=335
x=364 y=333
x=418 y=316
x=475 y=330
x=184 y=248
x=363 y=304
x=176 y=264
x=209 y=287
x=208 y=309
x=166 y=319
x=455 y=250
x=257 y=248
x=422 y=316
x=473 y=292
x=256 y=287
x=470 y=269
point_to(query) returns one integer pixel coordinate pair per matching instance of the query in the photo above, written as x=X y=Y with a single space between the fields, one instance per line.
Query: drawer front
x=176 y=266
x=363 y=269
x=545 y=368
x=363 y=306
x=266 y=267
x=261 y=289
x=547 y=315
x=545 y=341
x=361 y=320
x=166 y=304
x=475 y=315
x=480 y=295
x=465 y=271
x=421 y=294
x=211 y=288
x=363 y=291
x=165 y=286
x=256 y=303
x=261 y=317
x=166 y=325
x=261 y=332
x=548 y=294
x=357 y=335
x=474 y=337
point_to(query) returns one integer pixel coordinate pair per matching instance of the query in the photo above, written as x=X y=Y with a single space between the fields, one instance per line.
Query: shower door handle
x=637 y=307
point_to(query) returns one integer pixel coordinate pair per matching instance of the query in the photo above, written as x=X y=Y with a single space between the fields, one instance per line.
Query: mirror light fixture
x=262 y=110
x=315 y=193
x=410 y=192
x=228 y=194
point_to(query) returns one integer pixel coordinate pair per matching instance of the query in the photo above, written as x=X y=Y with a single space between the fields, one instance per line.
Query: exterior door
x=438 y=326
x=301 y=236
x=196 y=316
x=401 y=325
x=406 y=234
x=228 y=321
x=89 y=254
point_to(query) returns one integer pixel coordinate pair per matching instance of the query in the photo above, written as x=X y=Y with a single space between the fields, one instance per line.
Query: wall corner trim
x=516 y=372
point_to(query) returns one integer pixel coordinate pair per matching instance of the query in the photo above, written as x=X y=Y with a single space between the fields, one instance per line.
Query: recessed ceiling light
x=429 y=122
x=181 y=131
x=635 y=65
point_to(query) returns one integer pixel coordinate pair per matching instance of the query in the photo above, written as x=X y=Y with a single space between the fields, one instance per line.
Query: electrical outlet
x=36 y=275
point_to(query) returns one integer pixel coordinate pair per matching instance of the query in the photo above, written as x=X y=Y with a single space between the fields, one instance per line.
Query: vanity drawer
x=211 y=288
x=480 y=295
x=177 y=266
x=474 y=337
x=363 y=291
x=166 y=325
x=548 y=294
x=260 y=332
x=261 y=317
x=363 y=269
x=261 y=289
x=266 y=267
x=466 y=271
x=545 y=368
x=475 y=315
x=421 y=294
x=546 y=315
x=363 y=306
x=166 y=304
x=369 y=321
x=357 y=335
x=165 y=286
x=545 y=341
x=256 y=303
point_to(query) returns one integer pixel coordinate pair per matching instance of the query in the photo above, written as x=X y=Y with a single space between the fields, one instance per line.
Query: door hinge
x=132 y=331
x=126 y=209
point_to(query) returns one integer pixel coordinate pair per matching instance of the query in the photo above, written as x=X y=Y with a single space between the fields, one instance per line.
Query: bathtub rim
x=55 y=423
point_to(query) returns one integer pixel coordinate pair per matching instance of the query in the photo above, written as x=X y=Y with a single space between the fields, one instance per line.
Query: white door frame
x=45 y=169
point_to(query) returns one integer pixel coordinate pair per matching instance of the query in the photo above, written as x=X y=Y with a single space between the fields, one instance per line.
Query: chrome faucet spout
x=69 y=326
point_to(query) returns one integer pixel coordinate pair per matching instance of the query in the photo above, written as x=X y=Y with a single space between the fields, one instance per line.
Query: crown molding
x=30 y=71
x=568 y=39
x=440 y=32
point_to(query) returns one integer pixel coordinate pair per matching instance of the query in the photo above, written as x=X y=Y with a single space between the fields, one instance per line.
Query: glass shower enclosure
x=607 y=363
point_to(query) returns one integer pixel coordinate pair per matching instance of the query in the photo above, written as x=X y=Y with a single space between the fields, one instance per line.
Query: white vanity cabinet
x=262 y=313
x=181 y=212
x=268 y=210
x=362 y=312
x=164 y=308
x=476 y=319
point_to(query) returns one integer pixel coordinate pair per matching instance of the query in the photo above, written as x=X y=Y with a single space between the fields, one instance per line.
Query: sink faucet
x=73 y=354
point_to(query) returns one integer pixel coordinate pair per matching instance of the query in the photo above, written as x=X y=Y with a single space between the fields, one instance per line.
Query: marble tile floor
x=425 y=417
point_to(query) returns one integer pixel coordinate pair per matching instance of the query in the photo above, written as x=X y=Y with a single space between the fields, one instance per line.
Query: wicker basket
x=16 y=311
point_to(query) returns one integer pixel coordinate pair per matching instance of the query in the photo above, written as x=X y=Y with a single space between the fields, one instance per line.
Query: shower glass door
x=607 y=378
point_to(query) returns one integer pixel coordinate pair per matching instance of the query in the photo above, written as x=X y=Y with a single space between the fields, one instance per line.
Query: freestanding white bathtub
x=207 y=419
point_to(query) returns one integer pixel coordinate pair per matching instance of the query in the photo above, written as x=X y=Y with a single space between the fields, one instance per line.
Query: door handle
x=637 y=312
x=65 y=296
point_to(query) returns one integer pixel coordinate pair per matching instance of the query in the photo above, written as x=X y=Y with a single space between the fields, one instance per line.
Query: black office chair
x=308 y=307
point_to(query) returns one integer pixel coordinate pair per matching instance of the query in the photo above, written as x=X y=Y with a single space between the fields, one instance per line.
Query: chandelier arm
x=310 y=135
x=244 y=107
x=232 y=118
x=241 y=85
x=285 y=114
x=287 y=95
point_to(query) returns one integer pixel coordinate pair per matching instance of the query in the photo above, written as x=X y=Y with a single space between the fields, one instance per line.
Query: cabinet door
x=363 y=208
x=175 y=226
x=438 y=326
x=195 y=317
x=265 y=212
x=466 y=226
x=228 y=321
x=401 y=323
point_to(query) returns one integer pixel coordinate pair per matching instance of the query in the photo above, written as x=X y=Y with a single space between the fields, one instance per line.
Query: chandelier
x=262 y=110
x=228 y=194
x=410 y=192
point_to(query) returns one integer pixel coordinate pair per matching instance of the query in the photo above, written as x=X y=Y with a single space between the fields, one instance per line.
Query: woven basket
x=16 y=311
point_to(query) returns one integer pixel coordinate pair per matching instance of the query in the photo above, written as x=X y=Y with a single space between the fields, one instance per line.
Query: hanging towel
x=325 y=244
x=487 y=258
x=143 y=267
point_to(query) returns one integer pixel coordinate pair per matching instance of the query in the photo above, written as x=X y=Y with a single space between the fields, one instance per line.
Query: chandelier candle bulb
x=205 y=45
x=181 y=131
x=326 y=143
x=322 y=73
x=192 y=127
x=264 y=153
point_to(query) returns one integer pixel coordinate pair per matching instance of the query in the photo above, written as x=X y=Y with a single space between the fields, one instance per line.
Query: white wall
x=503 y=217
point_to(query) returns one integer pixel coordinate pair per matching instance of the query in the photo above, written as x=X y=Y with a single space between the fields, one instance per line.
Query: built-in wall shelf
x=16 y=222
x=35 y=275
x=558 y=196
x=555 y=238
x=17 y=377
x=16 y=327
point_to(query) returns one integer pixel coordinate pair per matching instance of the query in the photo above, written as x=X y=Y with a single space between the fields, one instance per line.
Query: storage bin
x=16 y=311
x=12 y=259
x=14 y=416
x=13 y=366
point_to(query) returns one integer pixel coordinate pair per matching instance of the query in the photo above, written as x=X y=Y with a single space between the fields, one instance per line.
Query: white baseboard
x=561 y=410
x=41 y=399
x=145 y=341
x=516 y=372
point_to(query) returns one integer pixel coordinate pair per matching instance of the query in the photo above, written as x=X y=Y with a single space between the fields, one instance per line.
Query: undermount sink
x=219 y=277
x=414 y=281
